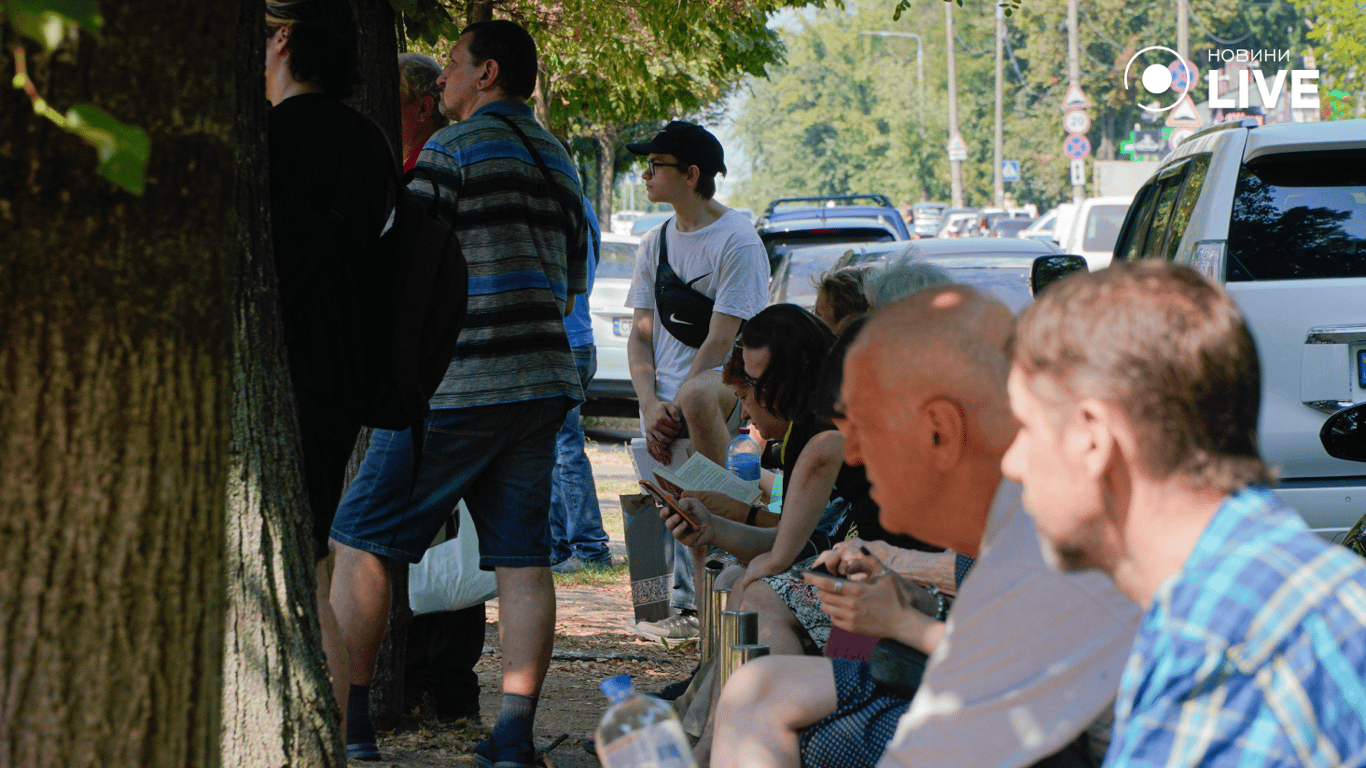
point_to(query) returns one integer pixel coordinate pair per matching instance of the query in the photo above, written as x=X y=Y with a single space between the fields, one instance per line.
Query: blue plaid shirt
x=1253 y=654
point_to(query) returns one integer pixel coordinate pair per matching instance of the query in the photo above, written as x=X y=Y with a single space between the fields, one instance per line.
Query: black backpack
x=419 y=283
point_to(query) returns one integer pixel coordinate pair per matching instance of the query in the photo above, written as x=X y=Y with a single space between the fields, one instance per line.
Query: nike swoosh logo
x=674 y=319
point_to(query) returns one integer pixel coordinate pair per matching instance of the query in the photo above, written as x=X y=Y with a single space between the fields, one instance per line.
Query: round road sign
x=1181 y=75
x=1076 y=121
x=1076 y=147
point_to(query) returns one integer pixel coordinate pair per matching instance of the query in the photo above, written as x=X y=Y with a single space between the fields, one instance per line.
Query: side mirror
x=1344 y=434
x=1050 y=269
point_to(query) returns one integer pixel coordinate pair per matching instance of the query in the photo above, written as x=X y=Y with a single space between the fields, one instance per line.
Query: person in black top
x=330 y=172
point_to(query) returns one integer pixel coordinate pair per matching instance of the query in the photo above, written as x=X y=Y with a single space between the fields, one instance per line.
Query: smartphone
x=664 y=499
x=799 y=573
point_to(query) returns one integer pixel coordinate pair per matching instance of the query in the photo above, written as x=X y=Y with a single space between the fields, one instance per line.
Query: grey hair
x=417 y=75
x=901 y=278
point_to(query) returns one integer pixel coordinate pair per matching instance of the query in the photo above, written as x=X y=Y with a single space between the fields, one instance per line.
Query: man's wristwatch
x=753 y=513
x=941 y=602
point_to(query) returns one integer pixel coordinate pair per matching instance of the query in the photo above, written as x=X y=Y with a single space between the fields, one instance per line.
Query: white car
x=612 y=318
x=1095 y=228
x=1277 y=213
x=1051 y=226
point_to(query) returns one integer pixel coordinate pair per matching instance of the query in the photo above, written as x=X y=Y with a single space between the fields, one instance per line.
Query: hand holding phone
x=665 y=500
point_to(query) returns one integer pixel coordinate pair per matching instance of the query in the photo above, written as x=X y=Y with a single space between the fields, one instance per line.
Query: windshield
x=1300 y=218
x=1102 y=227
x=616 y=260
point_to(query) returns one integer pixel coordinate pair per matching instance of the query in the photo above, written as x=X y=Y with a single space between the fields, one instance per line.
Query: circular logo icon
x=1160 y=75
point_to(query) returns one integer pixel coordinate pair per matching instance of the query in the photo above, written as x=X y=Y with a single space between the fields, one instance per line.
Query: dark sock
x=358 y=727
x=513 y=729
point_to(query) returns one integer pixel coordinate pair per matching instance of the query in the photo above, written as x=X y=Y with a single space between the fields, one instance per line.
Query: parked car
x=1095 y=229
x=1001 y=267
x=800 y=221
x=952 y=222
x=1051 y=226
x=1278 y=214
x=1009 y=227
x=649 y=221
x=612 y=319
x=927 y=217
x=622 y=221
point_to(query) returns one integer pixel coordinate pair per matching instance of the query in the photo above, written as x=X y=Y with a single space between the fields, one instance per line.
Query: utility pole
x=998 y=184
x=1074 y=73
x=955 y=166
x=1183 y=45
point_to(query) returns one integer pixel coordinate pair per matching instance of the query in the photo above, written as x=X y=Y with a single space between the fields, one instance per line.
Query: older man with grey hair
x=901 y=278
x=419 y=104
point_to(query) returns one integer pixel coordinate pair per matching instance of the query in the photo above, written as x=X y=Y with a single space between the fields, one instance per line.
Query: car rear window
x=1299 y=217
x=1102 y=227
x=616 y=260
x=778 y=242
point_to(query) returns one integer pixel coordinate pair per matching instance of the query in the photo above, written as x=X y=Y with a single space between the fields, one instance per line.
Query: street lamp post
x=919 y=62
x=955 y=166
x=998 y=185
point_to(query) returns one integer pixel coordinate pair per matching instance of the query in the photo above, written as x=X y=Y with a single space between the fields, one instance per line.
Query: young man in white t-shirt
x=717 y=252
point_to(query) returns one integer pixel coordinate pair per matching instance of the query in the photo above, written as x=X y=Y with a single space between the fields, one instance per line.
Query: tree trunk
x=115 y=377
x=479 y=10
x=278 y=703
x=378 y=98
x=607 y=172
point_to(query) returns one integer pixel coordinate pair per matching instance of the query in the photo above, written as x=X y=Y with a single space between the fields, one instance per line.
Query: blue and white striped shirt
x=523 y=263
x=1252 y=655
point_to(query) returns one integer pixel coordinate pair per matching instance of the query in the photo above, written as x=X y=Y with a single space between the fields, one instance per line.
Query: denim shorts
x=498 y=458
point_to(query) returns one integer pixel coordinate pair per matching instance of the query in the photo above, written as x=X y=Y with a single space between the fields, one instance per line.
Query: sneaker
x=572 y=565
x=682 y=626
x=487 y=756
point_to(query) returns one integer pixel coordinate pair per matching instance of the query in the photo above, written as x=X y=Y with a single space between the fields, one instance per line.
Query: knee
x=753 y=686
x=694 y=397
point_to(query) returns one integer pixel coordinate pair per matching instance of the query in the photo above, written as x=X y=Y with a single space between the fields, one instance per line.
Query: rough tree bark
x=377 y=96
x=278 y=706
x=115 y=378
x=607 y=171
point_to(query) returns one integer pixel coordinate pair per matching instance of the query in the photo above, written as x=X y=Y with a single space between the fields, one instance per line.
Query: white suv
x=1278 y=214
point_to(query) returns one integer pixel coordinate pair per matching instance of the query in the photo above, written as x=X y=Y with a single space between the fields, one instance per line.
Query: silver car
x=1278 y=214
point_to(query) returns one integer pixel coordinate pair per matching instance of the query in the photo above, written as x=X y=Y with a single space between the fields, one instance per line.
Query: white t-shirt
x=1029 y=659
x=730 y=259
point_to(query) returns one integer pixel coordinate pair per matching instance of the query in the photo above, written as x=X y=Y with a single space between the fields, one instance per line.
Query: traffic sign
x=1078 y=169
x=1183 y=115
x=958 y=149
x=1076 y=121
x=1181 y=75
x=1076 y=147
x=1148 y=142
x=1179 y=135
x=1075 y=99
x=1010 y=170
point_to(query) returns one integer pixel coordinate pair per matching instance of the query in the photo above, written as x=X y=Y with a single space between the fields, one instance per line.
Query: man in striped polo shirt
x=490 y=438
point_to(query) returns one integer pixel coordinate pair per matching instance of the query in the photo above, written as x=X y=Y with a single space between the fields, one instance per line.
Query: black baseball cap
x=690 y=143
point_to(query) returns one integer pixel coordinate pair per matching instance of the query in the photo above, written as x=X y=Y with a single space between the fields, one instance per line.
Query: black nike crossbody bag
x=684 y=311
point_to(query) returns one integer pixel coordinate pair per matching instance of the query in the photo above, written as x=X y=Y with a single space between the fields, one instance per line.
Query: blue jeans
x=575 y=519
x=498 y=458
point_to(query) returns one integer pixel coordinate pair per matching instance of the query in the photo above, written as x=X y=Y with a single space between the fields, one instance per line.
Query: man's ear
x=488 y=75
x=1092 y=437
x=948 y=428
x=426 y=107
x=693 y=176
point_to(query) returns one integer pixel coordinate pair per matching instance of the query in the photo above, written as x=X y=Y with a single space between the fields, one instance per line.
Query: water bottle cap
x=616 y=687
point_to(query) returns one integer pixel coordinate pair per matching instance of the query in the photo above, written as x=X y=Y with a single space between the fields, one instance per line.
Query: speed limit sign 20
x=1076 y=121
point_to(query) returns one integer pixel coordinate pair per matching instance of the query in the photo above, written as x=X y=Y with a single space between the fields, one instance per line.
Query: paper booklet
x=699 y=473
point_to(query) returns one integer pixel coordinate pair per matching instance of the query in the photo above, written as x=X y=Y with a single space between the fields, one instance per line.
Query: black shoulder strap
x=664 y=243
x=555 y=190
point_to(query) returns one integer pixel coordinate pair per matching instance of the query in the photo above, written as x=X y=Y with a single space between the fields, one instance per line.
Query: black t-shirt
x=851 y=485
x=330 y=195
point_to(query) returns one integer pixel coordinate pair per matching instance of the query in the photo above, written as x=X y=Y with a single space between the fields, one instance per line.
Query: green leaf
x=123 y=149
x=45 y=21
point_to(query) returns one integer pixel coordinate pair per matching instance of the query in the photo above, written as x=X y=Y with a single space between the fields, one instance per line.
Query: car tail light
x=1208 y=259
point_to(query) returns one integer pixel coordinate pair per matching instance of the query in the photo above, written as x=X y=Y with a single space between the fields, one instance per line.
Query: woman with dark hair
x=330 y=171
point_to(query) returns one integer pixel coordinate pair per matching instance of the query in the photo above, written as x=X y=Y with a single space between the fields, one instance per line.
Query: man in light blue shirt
x=1137 y=389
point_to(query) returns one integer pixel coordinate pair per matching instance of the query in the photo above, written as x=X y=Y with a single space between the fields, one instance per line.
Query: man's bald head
x=947 y=340
x=927 y=414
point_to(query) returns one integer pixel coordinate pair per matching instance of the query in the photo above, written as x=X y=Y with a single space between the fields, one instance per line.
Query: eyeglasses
x=652 y=165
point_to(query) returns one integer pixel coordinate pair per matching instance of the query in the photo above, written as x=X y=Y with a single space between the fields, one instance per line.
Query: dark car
x=998 y=266
x=804 y=221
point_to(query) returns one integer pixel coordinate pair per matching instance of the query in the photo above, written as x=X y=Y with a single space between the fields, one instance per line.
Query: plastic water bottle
x=742 y=457
x=640 y=731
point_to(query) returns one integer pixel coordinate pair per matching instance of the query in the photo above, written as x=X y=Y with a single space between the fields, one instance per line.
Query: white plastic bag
x=448 y=576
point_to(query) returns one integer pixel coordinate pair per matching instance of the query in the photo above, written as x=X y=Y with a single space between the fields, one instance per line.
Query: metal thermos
x=716 y=606
x=737 y=628
x=704 y=612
